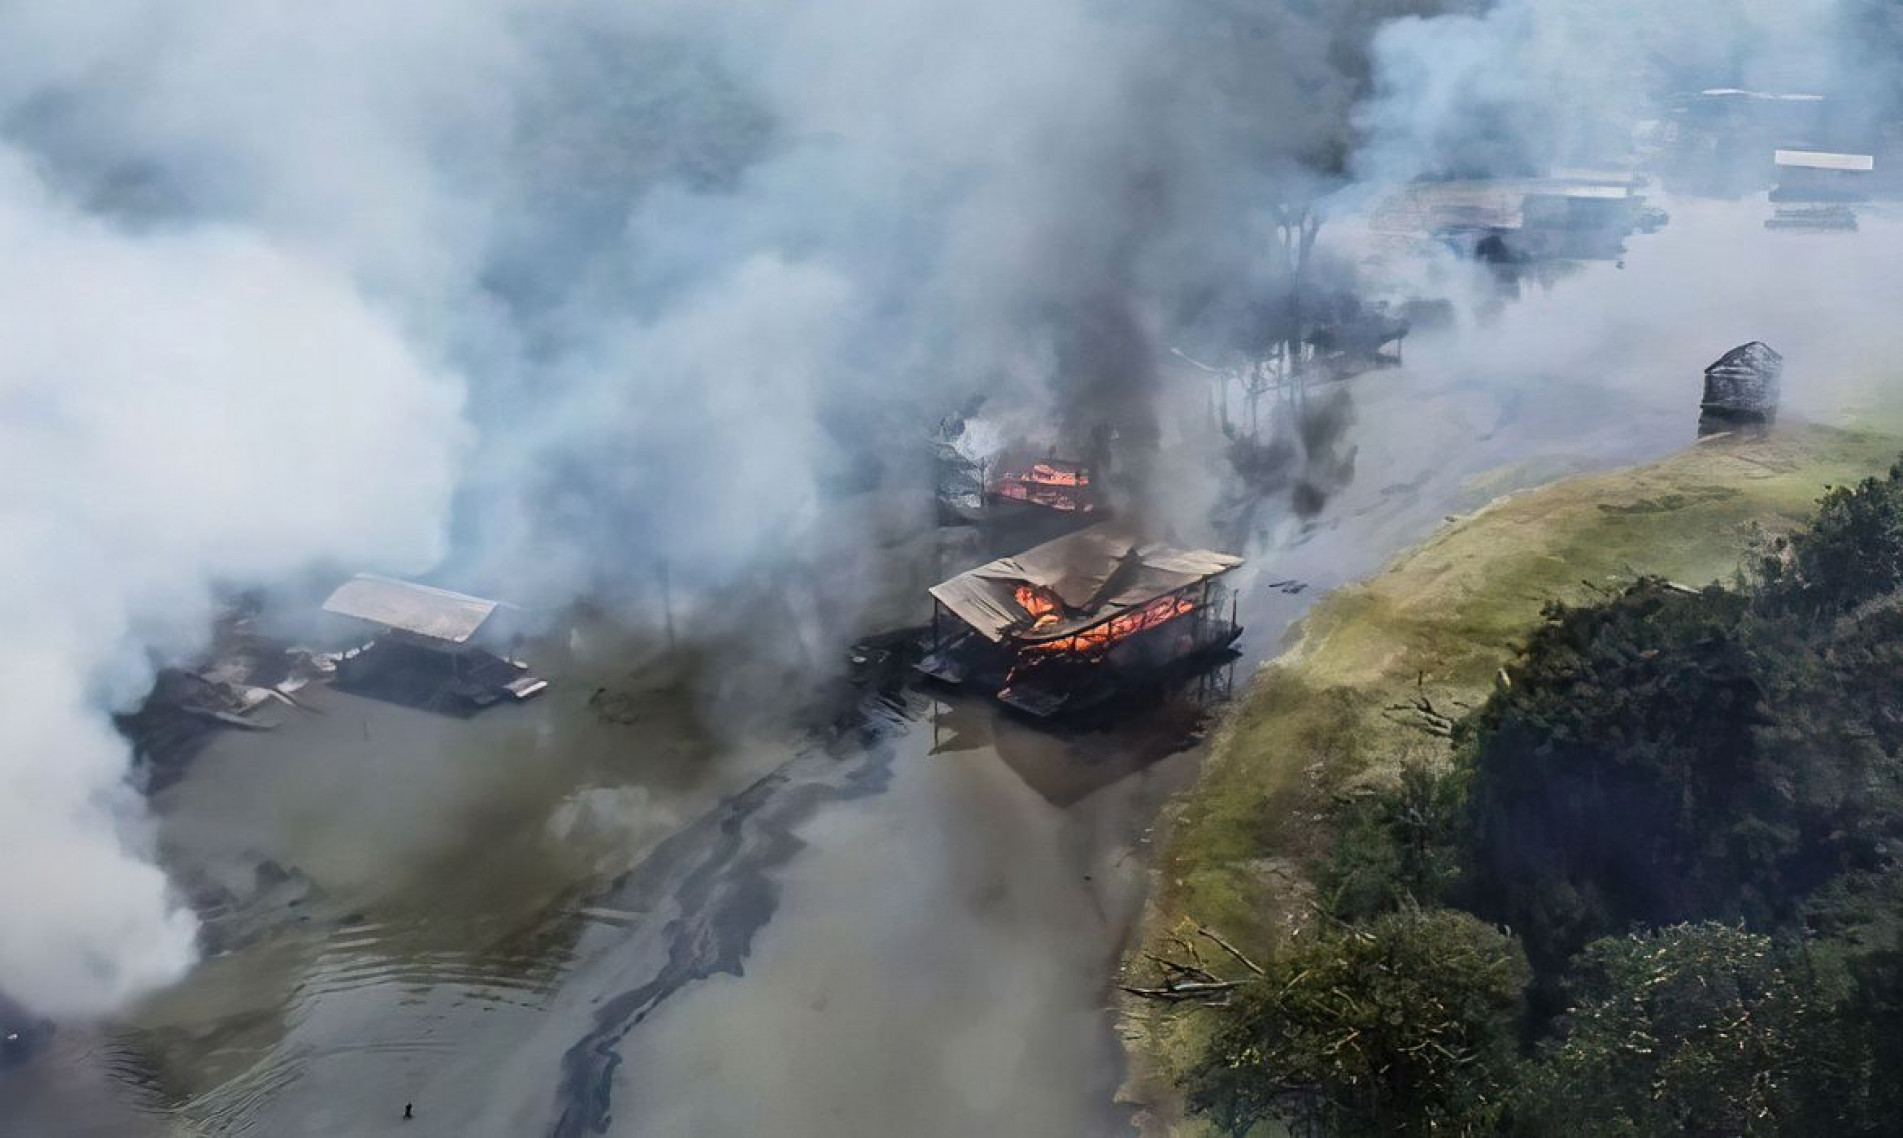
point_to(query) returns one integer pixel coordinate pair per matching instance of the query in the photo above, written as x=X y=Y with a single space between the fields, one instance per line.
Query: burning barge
x=1069 y=624
x=983 y=480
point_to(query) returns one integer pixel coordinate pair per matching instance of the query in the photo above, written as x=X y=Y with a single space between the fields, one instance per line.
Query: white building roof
x=1608 y=193
x=1772 y=96
x=1823 y=160
x=434 y=613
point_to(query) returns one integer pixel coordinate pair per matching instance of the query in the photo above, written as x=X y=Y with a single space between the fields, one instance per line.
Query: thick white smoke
x=1530 y=84
x=683 y=269
x=695 y=266
x=179 y=409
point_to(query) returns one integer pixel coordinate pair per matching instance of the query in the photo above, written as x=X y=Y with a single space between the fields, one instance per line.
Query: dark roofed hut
x=1743 y=386
x=1067 y=624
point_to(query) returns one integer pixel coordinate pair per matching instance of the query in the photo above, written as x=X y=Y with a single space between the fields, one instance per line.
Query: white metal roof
x=1824 y=160
x=1597 y=176
x=1776 y=96
x=435 y=613
x=1610 y=193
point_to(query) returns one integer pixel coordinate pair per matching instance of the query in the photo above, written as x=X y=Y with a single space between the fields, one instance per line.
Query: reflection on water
x=1067 y=761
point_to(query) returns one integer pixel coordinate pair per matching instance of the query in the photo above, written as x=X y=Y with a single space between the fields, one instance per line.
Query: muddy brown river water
x=542 y=922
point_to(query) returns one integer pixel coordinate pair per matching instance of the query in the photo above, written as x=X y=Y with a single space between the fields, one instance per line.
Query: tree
x=1851 y=554
x=1857 y=925
x=1397 y=848
x=1699 y=1029
x=1614 y=779
x=1405 y=1025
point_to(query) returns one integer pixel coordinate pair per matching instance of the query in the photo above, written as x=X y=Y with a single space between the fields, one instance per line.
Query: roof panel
x=1077 y=568
x=434 y=613
x=1822 y=160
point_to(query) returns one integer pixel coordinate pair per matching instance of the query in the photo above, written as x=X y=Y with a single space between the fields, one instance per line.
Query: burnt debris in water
x=21 y=1034
x=245 y=680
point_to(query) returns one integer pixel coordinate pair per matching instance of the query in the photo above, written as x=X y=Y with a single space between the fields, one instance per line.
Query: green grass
x=1439 y=622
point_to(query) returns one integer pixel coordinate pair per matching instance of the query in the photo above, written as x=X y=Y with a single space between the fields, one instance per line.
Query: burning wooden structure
x=427 y=653
x=981 y=479
x=1068 y=624
x=1743 y=386
x=1066 y=486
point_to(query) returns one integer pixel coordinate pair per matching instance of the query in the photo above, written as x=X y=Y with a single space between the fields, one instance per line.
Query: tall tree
x=1404 y=1025
x=1697 y=1030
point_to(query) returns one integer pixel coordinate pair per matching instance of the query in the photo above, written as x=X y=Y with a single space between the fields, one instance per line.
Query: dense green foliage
x=1396 y=849
x=1611 y=775
x=1404 y=1023
x=1852 y=556
x=1698 y=1029
x=1723 y=766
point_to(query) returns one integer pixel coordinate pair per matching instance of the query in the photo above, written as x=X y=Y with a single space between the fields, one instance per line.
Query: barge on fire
x=1070 y=623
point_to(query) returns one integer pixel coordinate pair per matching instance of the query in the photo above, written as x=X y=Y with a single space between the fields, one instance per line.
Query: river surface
x=547 y=921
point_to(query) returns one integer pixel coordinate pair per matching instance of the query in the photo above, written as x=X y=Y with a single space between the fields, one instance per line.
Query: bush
x=1696 y=1029
x=1396 y=849
x=1405 y=1025
x=1851 y=554
x=1614 y=779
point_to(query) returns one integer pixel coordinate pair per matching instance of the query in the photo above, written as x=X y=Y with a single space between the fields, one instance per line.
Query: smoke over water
x=552 y=299
x=178 y=407
x=541 y=297
x=1524 y=86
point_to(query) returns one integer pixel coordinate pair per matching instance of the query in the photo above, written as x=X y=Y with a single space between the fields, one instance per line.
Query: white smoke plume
x=179 y=408
x=1527 y=85
x=546 y=295
x=539 y=296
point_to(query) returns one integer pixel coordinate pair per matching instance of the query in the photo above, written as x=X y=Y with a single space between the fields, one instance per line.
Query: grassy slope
x=1444 y=617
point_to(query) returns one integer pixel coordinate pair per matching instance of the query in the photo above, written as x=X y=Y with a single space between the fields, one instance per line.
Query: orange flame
x=1041 y=605
x=1047 y=484
x=1049 y=475
x=1100 y=638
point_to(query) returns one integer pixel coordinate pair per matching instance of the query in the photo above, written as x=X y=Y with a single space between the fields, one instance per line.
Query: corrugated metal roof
x=434 y=613
x=1095 y=573
x=1757 y=353
x=1824 y=160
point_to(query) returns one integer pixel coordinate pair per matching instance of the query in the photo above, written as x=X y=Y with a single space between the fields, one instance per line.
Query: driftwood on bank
x=1187 y=978
x=1421 y=714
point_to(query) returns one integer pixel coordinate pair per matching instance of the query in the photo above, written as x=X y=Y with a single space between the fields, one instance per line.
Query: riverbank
x=1336 y=713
